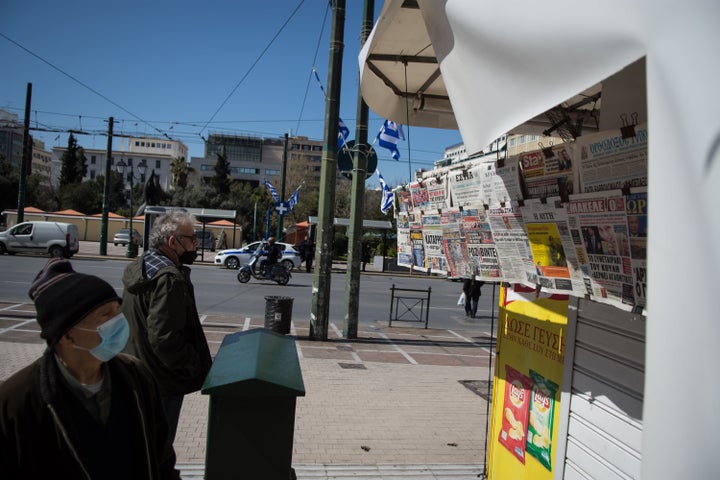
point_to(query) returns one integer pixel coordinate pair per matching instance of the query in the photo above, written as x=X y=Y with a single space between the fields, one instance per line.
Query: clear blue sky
x=164 y=64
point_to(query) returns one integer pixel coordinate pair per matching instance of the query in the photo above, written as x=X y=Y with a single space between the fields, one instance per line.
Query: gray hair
x=167 y=225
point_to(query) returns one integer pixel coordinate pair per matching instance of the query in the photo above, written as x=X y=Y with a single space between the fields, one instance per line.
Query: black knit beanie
x=63 y=297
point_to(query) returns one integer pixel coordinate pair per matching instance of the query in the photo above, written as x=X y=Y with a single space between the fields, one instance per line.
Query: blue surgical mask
x=114 y=334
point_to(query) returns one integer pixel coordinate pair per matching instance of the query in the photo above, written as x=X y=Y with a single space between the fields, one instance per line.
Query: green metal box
x=253 y=385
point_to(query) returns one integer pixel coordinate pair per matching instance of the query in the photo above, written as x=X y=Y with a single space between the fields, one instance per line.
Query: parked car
x=122 y=237
x=234 y=257
x=206 y=240
x=54 y=238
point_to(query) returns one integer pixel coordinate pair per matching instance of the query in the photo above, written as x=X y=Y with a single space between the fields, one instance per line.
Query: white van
x=53 y=238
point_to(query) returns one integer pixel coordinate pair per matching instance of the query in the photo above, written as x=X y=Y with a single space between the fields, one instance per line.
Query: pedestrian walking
x=472 y=290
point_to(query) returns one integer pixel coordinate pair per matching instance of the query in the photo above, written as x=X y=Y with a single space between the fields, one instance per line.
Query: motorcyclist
x=274 y=252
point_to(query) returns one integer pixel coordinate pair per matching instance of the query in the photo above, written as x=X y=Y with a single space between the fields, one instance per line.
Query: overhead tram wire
x=310 y=75
x=252 y=67
x=84 y=85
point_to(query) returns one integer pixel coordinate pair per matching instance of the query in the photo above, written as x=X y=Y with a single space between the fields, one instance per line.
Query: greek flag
x=294 y=198
x=343 y=132
x=388 y=137
x=387 y=195
x=273 y=192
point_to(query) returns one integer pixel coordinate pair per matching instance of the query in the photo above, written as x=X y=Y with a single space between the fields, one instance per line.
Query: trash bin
x=132 y=250
x=253 y=385
x=278 y=313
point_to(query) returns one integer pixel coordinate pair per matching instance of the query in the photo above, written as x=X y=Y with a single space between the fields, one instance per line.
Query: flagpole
x=357 y=199
x=320 y=306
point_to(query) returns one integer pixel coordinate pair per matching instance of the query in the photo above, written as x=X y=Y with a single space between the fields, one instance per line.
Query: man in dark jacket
x=82 y=410
x=159 y=302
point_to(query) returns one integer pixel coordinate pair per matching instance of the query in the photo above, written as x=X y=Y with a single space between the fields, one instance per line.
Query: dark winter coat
x=165 y=330
x=45 y=432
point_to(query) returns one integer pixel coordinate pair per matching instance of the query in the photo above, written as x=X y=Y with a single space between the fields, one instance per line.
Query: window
x=157 y=163
x=272 y=172
x=93 y=159
x=92 y=174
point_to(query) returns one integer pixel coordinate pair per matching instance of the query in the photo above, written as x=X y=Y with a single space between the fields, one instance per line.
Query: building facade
x=157 y=154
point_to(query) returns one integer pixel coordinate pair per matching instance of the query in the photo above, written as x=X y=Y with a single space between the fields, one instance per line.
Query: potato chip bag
x=542 y=408
x=515 y=412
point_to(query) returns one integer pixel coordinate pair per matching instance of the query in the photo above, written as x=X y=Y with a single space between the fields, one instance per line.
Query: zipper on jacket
x=147 y=440
x=67 y=440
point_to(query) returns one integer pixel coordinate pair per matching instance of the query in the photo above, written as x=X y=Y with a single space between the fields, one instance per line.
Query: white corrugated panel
x=601 y=416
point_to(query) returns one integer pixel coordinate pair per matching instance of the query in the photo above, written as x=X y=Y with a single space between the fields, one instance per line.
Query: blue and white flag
x=388 y=137
x=273 y=192
x=294 y=198
x=343 y=133
x=387 y=196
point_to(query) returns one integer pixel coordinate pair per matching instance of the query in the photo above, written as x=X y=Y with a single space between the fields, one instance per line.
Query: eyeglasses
x=193 y=238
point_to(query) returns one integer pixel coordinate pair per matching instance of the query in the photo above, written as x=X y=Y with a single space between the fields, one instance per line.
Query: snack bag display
x=542 y=408
x=515 y=412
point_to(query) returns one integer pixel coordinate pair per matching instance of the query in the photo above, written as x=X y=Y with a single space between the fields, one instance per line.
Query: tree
x=179 y=170
x=74 y=163
x=222 y=180
x=9 y=182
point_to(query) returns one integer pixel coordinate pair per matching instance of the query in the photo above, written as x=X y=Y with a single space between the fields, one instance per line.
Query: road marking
x=474 y=343
x=17 y=326
x=246 y=326
x=13 y=307
x=337 y=330
x=398 y=349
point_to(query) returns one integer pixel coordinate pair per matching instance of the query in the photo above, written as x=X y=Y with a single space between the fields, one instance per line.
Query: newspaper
x=404 y=245
x=432 y=233
x=437 y=192
x=610 y=162
x=484 y=260
x=548 y=172
x=636 y=207
x=454 y=247
x=557 y=269
x=465 y=186
x=499 y=184
x=511 y=242
x=598 y=223
x=419 y=196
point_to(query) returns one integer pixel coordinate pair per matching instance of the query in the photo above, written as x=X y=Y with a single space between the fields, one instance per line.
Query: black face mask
x=188 y=256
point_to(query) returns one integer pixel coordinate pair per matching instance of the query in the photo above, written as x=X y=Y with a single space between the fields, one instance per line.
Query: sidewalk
x=389 y=404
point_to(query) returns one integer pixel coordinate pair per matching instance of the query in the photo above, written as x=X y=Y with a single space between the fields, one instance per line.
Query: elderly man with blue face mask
x=82 y=410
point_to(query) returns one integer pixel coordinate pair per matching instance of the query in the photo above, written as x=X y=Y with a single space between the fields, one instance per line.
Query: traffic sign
x=345 y=160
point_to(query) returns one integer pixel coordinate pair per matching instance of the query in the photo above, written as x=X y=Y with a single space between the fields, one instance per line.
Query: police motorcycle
x=276 y=273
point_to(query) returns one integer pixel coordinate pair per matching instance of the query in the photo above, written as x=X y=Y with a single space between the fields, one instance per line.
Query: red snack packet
x=515 y=412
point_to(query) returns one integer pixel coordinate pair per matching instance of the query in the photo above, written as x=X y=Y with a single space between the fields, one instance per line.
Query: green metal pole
x=320 y=308
x=352 y=277
x=106 y=191
x=26 y=156
x=282 y=189
x=129 y=250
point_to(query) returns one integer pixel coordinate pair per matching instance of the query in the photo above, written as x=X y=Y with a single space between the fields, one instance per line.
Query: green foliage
x=84 y=197
x=222 y=179
x=180 y=170
x=74 y=163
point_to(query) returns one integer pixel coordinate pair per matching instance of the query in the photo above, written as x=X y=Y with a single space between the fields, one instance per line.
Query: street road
x=218 y=292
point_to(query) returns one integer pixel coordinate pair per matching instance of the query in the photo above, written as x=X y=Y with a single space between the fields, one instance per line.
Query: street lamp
x=132 y=248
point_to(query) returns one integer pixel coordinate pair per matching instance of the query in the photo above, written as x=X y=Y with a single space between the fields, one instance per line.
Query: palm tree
x=179 y=169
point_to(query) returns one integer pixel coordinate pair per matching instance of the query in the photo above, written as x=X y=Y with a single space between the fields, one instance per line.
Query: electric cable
x=252 y=67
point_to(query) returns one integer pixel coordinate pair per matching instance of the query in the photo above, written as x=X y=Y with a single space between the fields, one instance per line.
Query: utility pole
x=26 y=156
x=282 y=189
x=352 y=277
x=320 y=309
x=106 y=192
